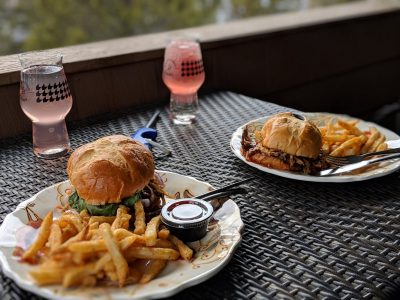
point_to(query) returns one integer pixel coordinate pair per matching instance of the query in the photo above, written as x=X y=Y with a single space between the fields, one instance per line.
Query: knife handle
x=383 y=158
x=358 y=165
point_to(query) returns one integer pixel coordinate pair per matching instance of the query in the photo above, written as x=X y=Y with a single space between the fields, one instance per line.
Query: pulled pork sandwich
x=286 y=142
x=110 y=171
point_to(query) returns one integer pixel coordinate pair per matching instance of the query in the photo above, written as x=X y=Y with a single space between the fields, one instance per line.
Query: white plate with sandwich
x=73 y=258
x=303 y=147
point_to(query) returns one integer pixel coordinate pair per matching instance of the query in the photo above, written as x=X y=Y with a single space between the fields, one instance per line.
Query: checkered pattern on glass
x=192 y=68
x=52 y=92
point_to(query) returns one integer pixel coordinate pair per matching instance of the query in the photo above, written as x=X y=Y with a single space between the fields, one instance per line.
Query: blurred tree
x=41 y=24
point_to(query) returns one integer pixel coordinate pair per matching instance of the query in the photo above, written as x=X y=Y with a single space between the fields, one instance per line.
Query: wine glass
x=46 y=99
x=183 y=74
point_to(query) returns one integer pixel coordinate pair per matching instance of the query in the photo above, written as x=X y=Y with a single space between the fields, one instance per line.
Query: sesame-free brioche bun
x=291 y=134
x=110 y=169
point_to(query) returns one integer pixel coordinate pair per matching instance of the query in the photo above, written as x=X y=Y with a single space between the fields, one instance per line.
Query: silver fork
x=338 y=161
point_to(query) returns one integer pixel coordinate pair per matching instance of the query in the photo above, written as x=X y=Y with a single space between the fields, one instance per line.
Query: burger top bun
x=110 y=169
x=290 y=133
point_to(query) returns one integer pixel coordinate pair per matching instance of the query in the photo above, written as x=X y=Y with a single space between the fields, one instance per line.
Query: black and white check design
x=52 y=92
x=192 y=68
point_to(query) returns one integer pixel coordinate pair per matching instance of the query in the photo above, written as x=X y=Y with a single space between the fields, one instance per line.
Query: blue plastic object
x=144 y=133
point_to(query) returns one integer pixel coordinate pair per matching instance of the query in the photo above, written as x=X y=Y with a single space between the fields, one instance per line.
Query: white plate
x=318 y=118
x=213 y=252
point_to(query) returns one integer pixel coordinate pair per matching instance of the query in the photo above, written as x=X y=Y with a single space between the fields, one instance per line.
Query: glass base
x=50 y=141
x=51 y=153
x=184 y=119
x=184 y=108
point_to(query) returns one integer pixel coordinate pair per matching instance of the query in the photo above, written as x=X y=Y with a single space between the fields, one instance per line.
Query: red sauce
x=18 y=251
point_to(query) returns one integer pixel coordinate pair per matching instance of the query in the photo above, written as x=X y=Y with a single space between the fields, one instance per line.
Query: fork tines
x=339 y=161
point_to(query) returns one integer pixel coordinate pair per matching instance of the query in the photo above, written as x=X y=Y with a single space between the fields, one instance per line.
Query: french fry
x=81 y=258
x=47 y=276
x=94 y=225
x=89 y=281
x=85 y=215
x=41 y=239
x=110 y=271
x=323 y=130
x=333 y=138
x=127 y=242
x=184 y=250
x=353 y=122
x=122 y=218
x=55 y=237
x=382 y=147
x=74 y=220
x=94 y=234
x=151 y=253
x=101 y=219
x=101 y=263
x=350 y=147
x=376 y=144
x=371 y=140
x=121 y=233
x=84 y=250
x=153 y=268
x=140 y=222
x=68 y=230
x=161 y=243
x=112 y=275
x=88 y=246
x=99 y=245
x=79 y=237
x=326 y=147
x=120 y=263
x=163 y=234
x=352 y=128
x=63 y=259
x=150 y=234
x=74 y=275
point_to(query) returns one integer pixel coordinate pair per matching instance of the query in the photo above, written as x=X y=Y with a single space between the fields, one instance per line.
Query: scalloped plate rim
x=31 y=287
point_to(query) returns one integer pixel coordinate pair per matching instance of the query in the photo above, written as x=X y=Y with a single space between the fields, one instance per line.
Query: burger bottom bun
x=267 y=161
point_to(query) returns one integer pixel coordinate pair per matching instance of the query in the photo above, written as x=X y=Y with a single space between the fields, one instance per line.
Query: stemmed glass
x=46 y=99
x=183 y=74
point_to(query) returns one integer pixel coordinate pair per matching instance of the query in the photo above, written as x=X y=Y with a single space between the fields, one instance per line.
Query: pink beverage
x=46 y=99
x=183 y=74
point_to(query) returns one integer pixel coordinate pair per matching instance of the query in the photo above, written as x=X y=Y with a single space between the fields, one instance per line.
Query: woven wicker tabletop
x=300 y=240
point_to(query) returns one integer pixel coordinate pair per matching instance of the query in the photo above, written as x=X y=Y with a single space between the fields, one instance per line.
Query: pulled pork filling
x=296 y=163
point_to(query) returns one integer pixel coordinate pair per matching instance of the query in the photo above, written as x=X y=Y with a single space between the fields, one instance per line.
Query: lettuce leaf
x=130 y=201
x=79 y=204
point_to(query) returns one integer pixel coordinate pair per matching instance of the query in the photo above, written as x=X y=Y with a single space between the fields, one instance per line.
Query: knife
x=352 y=167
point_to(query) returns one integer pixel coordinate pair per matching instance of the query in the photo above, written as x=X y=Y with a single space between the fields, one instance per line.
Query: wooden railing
x=344 y=58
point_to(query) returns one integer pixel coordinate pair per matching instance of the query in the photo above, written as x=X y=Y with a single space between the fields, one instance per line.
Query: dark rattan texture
x=301 y=240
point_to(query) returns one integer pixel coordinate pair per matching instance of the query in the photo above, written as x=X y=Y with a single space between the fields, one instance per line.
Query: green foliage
x=79 y=204
x=130 y=201
x=40 y=24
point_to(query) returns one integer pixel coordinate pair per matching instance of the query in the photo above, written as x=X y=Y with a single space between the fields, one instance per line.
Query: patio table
x=300 y=240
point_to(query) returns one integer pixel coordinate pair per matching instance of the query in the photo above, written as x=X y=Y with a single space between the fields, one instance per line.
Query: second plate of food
x=320 y=119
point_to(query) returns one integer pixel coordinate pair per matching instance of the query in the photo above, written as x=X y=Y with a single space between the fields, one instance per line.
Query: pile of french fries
x=83 y=250
x=342 y=138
